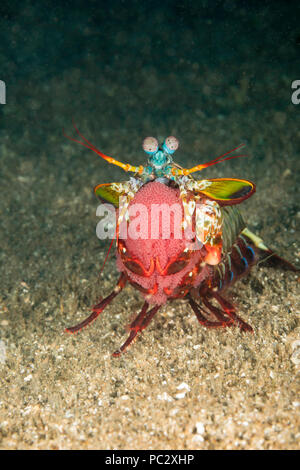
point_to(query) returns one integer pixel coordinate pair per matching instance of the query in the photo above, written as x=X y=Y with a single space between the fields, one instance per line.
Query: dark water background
x=145 y=64
x=212 y=73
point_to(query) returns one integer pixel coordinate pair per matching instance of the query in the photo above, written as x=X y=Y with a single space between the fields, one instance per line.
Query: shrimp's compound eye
x=171 y=144
x=150 y=145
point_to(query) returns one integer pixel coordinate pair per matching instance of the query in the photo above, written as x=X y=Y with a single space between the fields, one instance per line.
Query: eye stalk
x=170 y=145
x=150 y=145
x=159 y=157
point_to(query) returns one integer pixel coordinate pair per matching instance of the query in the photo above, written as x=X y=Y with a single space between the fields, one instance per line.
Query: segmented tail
x=247 y=250
x=266 y=255
x=235 y=263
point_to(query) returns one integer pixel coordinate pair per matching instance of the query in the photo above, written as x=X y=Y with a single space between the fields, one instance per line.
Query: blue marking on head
x=159 y=159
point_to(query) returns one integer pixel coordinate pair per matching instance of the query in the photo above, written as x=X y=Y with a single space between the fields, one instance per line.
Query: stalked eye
x=171 y=144
x=150 y=145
